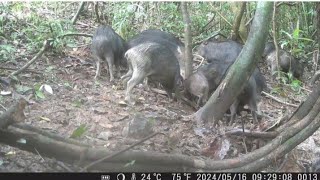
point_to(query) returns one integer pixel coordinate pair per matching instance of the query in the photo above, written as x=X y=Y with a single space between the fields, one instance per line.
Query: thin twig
x=76 y=34
x=117 y=153
x=3 y=107
x=204 y=27
x=216 y=11
x=39 y=154
x=278 y=100
x=27 y=70
x=64 y=166
x=249 y=21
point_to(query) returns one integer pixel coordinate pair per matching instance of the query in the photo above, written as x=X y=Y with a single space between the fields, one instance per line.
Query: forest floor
x=78 y=99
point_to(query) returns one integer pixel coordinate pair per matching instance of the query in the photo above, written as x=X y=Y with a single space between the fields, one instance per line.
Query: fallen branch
x=75 y=34
x=159 y=91
x=283 y=149
x=46 y=45
x=27 y=70
x=117 y=153
x=252 y=134
x=303 y=110
x=278 y=100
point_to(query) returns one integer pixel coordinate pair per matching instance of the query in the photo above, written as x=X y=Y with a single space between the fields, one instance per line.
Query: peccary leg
x=253 y=108
x=137 y=77
x=233 y=110
x=110 y=62
x=98 y=70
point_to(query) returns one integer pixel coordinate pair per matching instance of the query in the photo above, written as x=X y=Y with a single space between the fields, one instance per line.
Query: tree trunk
x=74 y=19
x=236 y=25
x=274 y=33
x=241 y=70
x=187 y=39
x=96 y=11
x=318 y=26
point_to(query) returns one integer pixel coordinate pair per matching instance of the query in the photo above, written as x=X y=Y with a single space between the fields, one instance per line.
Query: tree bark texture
x=74 y=19
x=236 y=26
x=188 y=39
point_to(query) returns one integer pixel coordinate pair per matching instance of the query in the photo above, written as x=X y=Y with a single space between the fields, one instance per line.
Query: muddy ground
x=78 y=100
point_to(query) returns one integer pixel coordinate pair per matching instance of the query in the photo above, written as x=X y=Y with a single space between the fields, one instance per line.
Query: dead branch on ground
x=278 y=100
x=45 y=47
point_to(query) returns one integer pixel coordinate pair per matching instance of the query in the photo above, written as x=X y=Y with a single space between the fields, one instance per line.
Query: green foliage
x=290 y=80
x=79 y=131
x=38 y=92
x=296 y=42
x=296 y=85
x=27 y=25
x=7 y=52
x=129 y=18
x=121 y=14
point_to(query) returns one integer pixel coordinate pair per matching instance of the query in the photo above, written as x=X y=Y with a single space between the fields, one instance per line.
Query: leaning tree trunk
x=187 y=39
x=236 y=26
x=241 y=70
x=74 y=19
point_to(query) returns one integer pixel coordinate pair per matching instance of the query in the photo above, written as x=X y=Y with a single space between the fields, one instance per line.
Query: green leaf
x=296 y=31
x=296 y=85
x=295 y=34
x=40 y=95
x=37 y=86
x=79 y=131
